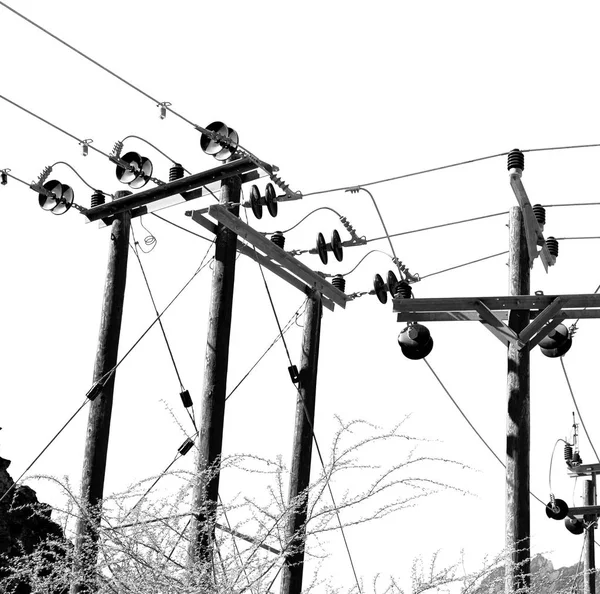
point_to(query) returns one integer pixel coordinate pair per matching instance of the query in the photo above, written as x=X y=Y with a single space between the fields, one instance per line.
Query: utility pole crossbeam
x=212 y=409
x=98 y=428
x=293 y=568
x=189 y=187
x=273 y=257
x=517 y=570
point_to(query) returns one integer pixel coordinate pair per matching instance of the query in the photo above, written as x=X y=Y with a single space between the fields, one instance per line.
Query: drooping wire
x=304 y=219
x=44 y=449
x=154 y=147
x=462 y=265
x=362 y=260
x=162 y=328
x=81 y=178
x=551 y=461
x=150 y=240
x=308 y=419
x=485 y=443
x=577 y=408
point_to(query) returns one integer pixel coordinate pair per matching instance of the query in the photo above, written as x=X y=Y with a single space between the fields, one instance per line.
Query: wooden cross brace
x=546 y=312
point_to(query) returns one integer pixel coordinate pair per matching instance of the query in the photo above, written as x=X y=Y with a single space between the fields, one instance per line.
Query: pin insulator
x=540 y=214
x=552 y=245
x=185 y=447
x=98 y=198
x=4 y=178
x=186 y=399
x=176 y=172
x=93 y=392
x=294 y=375
x=402 y=290
x=278 y=239
x=516 y=160
x=568 y=452
x=339 y=282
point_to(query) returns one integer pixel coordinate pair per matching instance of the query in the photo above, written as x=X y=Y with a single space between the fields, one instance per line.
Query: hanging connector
x=85 y=146
x=185 y=447
x=4 y=176
x=576 y=458
x=163 y=109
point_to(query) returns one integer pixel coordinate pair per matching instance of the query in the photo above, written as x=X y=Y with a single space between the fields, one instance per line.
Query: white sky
x=336 y=94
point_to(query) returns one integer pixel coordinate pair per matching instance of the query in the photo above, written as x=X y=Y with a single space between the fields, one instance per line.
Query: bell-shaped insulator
x=229 y=148
x=415 y=341
x=137 y=171
x=557 y=509
x=557 y=342
x=574 y=525
x=60 y=200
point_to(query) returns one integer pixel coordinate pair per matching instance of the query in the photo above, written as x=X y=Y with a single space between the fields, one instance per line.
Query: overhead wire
x=422 y=277
x=577 y=408
x=155 y=148
x=162 y=328
x=481 y=438
x=180 y=227
x=44 y=449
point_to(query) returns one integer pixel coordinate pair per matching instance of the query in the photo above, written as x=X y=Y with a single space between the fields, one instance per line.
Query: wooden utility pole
x=212 y=409
x=518 y=420
x=589 y=558
x=98 y=428
x=291 y=575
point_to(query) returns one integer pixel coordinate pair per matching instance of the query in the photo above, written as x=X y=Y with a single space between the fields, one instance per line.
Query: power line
x=462 y=265
x=180 y=227
x=485 y=443
x=577 y=408
x=496 y=214
x=449 y=166
x=44 y=449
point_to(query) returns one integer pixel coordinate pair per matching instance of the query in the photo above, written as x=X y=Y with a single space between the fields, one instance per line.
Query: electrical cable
x=387 y=235
x=290 y=323
x=577 y=408
x=361 y=261
x=312 y=429
x=81 y=178
x=150 y=240
x=496 y=214
x=551 y=460
x=162 y=328
x=155 y=148
x=460 y=163
x=462 y=265
x=44 y=449
x=304 y=219
x=50 y=123
x=203 y=265
x=471 y=424
x=180 y=227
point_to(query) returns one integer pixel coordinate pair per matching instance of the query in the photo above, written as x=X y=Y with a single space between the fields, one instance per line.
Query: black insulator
x=4 y=178
x=186 y=398
x=403 y=290
x=176 y=172
x=540 y=214
x=185 y=447
x=278 y=239
x=557 y=509
x=552 y=245
x=98 y=198
x=294 y=375
x=568 y=452
x=339 y=282
x=94 y=391
x=576 y=460
x=574 y=525
x=516 y=160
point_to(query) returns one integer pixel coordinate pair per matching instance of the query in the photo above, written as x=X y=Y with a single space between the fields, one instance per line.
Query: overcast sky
x=335 y=94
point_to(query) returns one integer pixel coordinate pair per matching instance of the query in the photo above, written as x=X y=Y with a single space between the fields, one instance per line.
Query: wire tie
x=163 y=109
